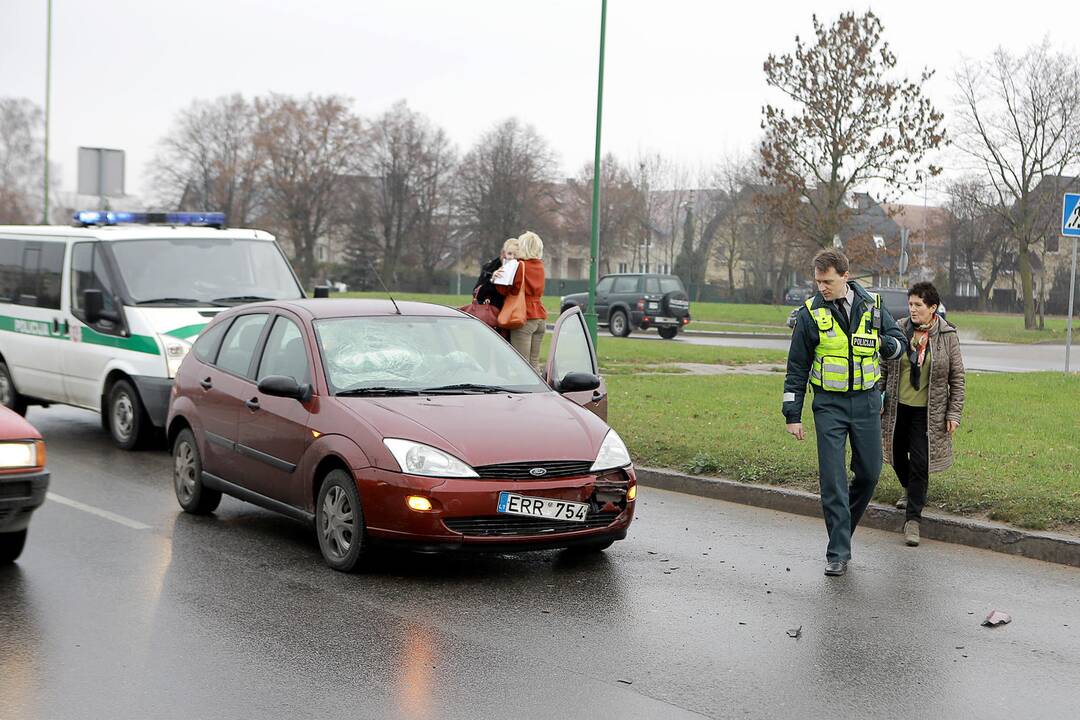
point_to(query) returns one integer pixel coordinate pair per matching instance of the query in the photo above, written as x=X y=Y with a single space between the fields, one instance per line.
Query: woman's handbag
x=485 y=312
x=512 y=315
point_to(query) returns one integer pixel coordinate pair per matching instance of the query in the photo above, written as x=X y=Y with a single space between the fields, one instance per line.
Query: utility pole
x=48 y=105
x=590 y=316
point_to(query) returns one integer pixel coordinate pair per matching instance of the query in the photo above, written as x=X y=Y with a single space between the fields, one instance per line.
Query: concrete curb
x=1051 y=547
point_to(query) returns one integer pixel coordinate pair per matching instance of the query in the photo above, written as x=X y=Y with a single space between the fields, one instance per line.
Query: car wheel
x=127 y=419
x=590 y=547
x=339 y=522
x=193 y=496
x=11 y=546
x=9 y=396
x=668 y=333
x=619 y=325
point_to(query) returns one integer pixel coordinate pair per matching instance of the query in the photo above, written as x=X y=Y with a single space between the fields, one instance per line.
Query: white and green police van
x=100 y=315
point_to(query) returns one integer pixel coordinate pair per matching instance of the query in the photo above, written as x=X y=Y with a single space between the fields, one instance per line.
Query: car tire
x=591 y=547
x=619 y=323
x=194 y=497
x=11 y=546
x=339 y=522
x=668 y=333
x=9 y=396
x=128 y=423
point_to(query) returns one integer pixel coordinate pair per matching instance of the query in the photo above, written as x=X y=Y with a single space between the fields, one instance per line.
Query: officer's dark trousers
x=838 y=417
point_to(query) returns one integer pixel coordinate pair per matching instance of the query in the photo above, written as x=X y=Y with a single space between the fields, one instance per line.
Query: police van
x=99 y=315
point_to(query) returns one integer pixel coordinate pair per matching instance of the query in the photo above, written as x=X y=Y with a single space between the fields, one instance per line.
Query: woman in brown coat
x=924 y=399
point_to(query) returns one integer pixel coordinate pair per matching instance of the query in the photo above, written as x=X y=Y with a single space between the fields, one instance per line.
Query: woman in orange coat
x=529 y=279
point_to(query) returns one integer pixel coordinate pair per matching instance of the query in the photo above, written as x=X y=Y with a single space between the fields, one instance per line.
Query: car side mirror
x=578 y=382
x=94 y=308
x=284 y=386
x=322 y=291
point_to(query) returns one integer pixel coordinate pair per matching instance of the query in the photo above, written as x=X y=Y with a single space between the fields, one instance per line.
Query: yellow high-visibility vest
x=842 y=363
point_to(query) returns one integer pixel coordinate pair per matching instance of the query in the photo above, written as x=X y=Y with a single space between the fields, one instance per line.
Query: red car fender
x=328 y=447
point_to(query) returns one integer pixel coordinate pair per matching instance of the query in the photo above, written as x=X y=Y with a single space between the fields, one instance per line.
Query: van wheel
x=668 y=333
x=193 y=496
x=127 y=420
x=9 y=396
x=619 y=325
x=339 y=522
x=11 y=546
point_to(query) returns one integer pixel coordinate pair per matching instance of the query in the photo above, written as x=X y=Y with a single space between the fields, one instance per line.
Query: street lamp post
x=48 y=106
x=590 y=316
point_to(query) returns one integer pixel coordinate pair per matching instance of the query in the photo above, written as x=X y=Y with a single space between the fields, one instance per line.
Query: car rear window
x=671 y=284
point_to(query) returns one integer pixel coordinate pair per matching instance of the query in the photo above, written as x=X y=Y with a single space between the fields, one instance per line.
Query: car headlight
x=613 y=453
x=175 y=352
x=418 y=459
x=21 y=455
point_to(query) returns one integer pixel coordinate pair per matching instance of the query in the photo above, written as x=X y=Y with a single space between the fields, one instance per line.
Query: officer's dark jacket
x=805 y=338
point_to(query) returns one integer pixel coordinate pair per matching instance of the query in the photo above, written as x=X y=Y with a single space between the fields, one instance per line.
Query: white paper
x=509 y=270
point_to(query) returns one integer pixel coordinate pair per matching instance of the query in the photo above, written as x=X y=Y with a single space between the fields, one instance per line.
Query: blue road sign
x=1070 y=215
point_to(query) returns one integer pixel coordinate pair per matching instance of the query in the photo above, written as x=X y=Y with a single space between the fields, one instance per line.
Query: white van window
x=88 y=272
x=30 y=272
x=220 y=270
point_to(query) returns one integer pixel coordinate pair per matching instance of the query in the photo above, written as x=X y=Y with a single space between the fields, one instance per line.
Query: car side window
x=625 y=285
x=604 y=286
x=285 y=353
x=88 y=272
x=652 y=285
x=207 y=344
x=42 y=266
x=238 y=347
x=572 y=350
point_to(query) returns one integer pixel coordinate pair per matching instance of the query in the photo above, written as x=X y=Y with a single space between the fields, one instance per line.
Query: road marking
x=120 y=519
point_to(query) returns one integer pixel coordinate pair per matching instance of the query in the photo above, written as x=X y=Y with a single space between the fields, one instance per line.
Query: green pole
x=590 y=316
x=48 y=96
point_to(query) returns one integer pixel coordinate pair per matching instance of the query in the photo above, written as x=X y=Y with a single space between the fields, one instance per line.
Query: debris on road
x=625 y=682
x=996 y=617
x=795 y=633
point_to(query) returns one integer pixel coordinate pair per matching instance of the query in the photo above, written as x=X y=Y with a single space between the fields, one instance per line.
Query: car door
x=603 y=288
x=92 y=345
x=572 y=351
x=273 y=431
x=228 y=384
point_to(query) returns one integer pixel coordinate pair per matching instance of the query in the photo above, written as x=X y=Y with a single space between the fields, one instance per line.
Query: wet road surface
x=145 y=612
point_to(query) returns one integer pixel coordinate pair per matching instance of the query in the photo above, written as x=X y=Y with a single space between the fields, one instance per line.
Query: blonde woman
x=529 y=279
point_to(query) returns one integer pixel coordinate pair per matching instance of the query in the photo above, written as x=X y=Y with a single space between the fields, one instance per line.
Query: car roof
x=324 y=308
x=131 y=232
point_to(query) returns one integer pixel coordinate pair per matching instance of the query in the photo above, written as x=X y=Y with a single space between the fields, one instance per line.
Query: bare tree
x=980 y=237
x=210 y=160
x=850 y=123
x=733 y=177
x=312 y=145
x=21 y=162
x=1019 y=118
x=501 y=183
x=410 y=164
x=619 y=210
x=705 y=212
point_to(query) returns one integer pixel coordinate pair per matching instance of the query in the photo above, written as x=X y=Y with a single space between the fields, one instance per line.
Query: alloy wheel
x=123 y=416
x=337 y=522
x=184 y=472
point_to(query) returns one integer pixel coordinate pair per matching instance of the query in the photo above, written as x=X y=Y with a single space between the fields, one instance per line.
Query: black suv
x=630 y=301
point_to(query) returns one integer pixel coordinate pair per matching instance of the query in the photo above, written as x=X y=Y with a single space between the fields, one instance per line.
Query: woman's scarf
x=918 y=343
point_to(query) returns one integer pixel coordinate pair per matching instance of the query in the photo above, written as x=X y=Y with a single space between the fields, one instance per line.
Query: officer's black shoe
x=837 y=567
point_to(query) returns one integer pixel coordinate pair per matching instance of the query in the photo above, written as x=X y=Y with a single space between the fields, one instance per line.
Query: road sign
x=1070 y=215
x=101 y=172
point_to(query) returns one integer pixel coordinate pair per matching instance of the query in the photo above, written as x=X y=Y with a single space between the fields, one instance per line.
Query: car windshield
x=223 y=271
x=439 y=354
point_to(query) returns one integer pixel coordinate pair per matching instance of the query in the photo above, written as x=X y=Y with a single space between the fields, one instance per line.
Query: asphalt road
x=122 y=607
x=994 y=357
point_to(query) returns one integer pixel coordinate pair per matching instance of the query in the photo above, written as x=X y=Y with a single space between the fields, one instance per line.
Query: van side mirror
x=93 y=304
x=322 y=291
x=284 y=386
x=578 y=382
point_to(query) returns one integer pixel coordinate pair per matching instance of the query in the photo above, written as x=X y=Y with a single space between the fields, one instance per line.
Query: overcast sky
x=683 y=77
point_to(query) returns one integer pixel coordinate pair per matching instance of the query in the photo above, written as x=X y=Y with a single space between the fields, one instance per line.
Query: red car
x=23 y=481
x=407 y=424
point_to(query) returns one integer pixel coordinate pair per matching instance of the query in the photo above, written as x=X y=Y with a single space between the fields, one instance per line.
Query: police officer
x=840 y=336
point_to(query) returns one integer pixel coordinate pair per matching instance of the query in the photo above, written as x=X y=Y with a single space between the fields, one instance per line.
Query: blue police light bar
x=110 y=217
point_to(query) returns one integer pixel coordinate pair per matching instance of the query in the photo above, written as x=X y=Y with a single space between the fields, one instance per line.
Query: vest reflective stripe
x=832 y=369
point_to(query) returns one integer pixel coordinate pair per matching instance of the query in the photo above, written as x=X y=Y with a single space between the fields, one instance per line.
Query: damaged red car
x=406 y=424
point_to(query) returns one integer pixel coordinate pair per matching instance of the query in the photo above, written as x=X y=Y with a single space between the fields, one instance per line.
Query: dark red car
x=408 y=424
x=23 y=481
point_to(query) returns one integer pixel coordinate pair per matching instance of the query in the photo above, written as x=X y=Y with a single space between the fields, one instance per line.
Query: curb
x=1051 y=547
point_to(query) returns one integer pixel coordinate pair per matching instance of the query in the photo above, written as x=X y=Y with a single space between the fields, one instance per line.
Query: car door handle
x=206 y=384
x=597 y=396
x=252 y=404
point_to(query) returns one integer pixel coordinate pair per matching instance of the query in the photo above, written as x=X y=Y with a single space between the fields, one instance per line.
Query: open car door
x=572 y=354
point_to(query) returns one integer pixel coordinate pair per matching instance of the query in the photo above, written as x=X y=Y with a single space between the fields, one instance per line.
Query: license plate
x=654 y=306
x=514 y=504
x=664 y=320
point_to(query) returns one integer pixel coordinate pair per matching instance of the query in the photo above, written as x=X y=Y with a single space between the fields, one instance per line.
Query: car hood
x=487 y=429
